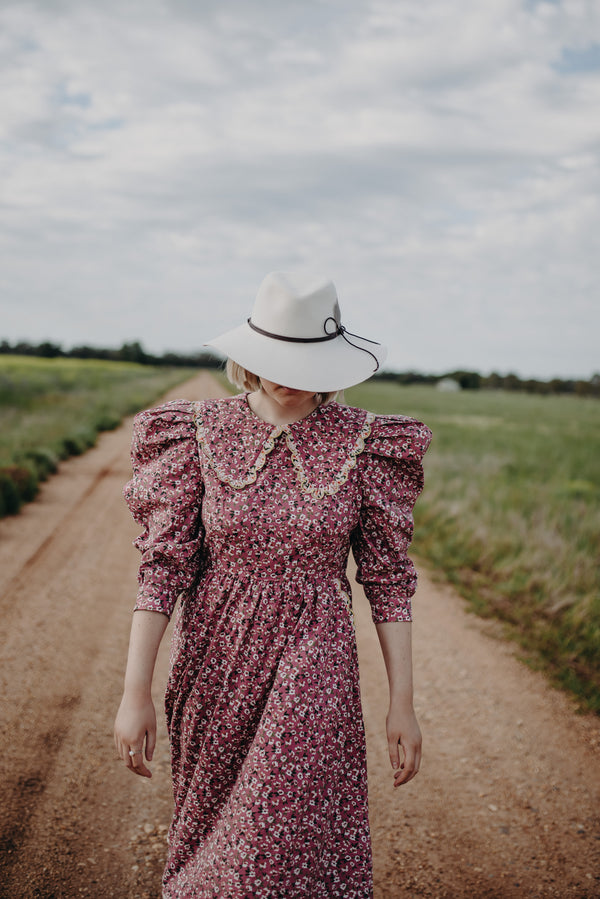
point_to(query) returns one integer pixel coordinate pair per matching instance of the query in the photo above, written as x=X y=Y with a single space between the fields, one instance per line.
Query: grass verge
x=511 y=515
x=54 y=408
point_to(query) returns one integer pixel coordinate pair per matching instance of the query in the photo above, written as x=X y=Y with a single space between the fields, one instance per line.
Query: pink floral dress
x=250 y=526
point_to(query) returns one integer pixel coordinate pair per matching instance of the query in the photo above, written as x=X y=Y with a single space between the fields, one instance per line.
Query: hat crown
x=296 y=306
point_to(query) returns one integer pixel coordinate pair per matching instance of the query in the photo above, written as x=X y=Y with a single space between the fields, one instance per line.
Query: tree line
x=472 y=380
x=466 y=380
x=128 y=352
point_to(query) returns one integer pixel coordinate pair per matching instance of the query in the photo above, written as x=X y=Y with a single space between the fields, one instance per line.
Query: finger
x=136 y=755
x=409 y=767
x=417 y=761
x=150 y=744
x=122 y=748
x=127 y=758
x=122 y=752
x=403 y=776
x=394 y=751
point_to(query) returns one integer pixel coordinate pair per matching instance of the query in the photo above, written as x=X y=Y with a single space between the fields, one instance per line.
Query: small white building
x=448 y=385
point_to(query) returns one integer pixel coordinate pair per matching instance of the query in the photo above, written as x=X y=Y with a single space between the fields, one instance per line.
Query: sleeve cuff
x=154 y=597
x=388 y=603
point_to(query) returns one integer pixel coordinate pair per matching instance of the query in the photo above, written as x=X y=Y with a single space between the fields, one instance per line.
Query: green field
x=54 y=408
x=511 y=515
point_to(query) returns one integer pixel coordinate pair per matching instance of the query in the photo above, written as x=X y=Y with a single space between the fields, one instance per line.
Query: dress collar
x=323 y=446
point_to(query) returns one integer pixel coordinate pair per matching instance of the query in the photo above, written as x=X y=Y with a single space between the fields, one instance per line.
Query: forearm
x=395 y=639
x=402 y=727
x=147 y=629
x=136 y=719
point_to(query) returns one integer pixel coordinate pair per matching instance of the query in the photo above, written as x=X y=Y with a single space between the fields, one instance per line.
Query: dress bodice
x=220 y=490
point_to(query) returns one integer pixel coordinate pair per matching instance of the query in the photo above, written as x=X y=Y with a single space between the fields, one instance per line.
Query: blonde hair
x=246 y=380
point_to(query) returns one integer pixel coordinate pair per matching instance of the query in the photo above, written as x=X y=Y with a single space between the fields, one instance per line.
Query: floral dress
x=250 y=526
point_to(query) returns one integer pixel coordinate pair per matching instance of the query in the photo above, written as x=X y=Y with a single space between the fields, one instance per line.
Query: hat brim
x=320 y=367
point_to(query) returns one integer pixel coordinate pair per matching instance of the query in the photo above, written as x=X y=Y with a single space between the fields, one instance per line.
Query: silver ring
x=133 y=752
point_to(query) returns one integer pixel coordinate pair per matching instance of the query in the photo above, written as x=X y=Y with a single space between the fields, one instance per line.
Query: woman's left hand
x=404 y=739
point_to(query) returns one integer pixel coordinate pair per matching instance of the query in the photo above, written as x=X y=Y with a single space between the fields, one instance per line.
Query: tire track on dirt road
x=507 y=803
x=46 y=546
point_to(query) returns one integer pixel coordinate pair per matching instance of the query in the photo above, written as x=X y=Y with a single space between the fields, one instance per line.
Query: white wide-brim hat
x=295 y=337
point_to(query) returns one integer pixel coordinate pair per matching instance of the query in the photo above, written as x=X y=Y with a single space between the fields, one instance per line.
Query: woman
x=249 y=507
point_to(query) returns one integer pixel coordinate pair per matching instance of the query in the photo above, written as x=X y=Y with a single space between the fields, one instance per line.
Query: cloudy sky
x=439 y=159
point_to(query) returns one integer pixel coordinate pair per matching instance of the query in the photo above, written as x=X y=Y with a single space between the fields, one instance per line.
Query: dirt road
x=507 y=803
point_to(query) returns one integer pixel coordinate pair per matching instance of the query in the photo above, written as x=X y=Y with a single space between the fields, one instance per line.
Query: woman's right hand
x=135 y=731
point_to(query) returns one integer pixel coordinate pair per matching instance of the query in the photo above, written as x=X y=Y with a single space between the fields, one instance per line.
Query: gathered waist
x=290 y=568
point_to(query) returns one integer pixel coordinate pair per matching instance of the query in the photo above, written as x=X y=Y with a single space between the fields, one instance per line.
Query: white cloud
x=440 y=160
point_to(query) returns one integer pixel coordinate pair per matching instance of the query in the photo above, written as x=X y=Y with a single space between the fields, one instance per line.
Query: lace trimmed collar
x=323 y=447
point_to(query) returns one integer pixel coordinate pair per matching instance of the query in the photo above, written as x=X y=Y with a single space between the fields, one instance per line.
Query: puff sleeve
x=391 y=474
x=165 y=499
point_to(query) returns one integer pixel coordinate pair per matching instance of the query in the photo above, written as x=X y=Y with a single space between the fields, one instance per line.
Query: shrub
x=17 y=486
x=43 y=461
x=53 y=408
